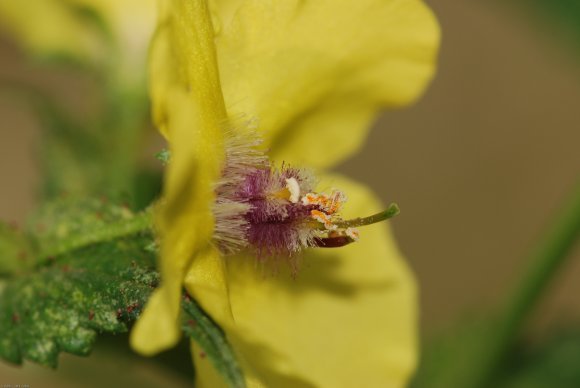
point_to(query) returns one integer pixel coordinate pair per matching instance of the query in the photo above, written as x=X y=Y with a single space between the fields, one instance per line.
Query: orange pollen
x=323 y=218
x=329 y=203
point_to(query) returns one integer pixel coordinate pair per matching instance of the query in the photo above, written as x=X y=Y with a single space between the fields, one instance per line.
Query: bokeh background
x=478 y=165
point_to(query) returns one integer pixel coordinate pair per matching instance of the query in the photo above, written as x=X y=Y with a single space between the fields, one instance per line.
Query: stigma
x=276 y=211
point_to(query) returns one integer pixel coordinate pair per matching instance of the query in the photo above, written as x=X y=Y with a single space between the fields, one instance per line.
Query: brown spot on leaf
x=132 y=307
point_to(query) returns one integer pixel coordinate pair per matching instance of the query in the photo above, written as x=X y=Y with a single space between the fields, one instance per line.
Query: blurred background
x=478 y=165
x=486 y=157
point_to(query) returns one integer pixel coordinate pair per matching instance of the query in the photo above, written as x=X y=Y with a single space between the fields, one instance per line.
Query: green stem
x=544 y=262
x=138 y=223
x=199 y=327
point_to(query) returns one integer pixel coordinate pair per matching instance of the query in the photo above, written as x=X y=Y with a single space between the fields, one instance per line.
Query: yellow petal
x=51 y=27
x=316 y=72
x=348 y=319
x=189 y=107
x=131 y=24
x=130 y=21
x=107 y=34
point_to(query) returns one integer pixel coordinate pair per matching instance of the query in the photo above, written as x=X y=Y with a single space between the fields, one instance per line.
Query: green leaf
x=95 y=270
x=87 y=271
x=68 y=223
x=199 y=327
x=62 y=307
x=15 y=250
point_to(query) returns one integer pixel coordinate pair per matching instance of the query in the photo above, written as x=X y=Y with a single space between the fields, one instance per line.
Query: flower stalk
x=545 y=261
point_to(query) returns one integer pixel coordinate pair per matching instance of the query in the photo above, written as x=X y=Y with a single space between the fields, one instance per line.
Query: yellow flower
x=313 y=74
x=88 y=31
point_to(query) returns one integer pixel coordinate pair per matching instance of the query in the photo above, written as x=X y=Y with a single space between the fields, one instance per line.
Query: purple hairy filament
x=276 y=225
x=276 y=212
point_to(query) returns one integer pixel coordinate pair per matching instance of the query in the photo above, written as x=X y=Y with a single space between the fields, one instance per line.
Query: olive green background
x=478 y=165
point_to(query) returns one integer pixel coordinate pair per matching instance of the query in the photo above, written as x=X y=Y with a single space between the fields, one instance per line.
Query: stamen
x=329 y=203
x=352 y=233
x=262 y=207
x=391 y=211
x=337 y=198
x=323 y=218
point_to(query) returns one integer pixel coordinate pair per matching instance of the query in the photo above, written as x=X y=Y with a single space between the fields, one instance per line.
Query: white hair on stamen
x=242 y=153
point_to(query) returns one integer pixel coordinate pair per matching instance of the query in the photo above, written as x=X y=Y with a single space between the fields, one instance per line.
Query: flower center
x=275 y=211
